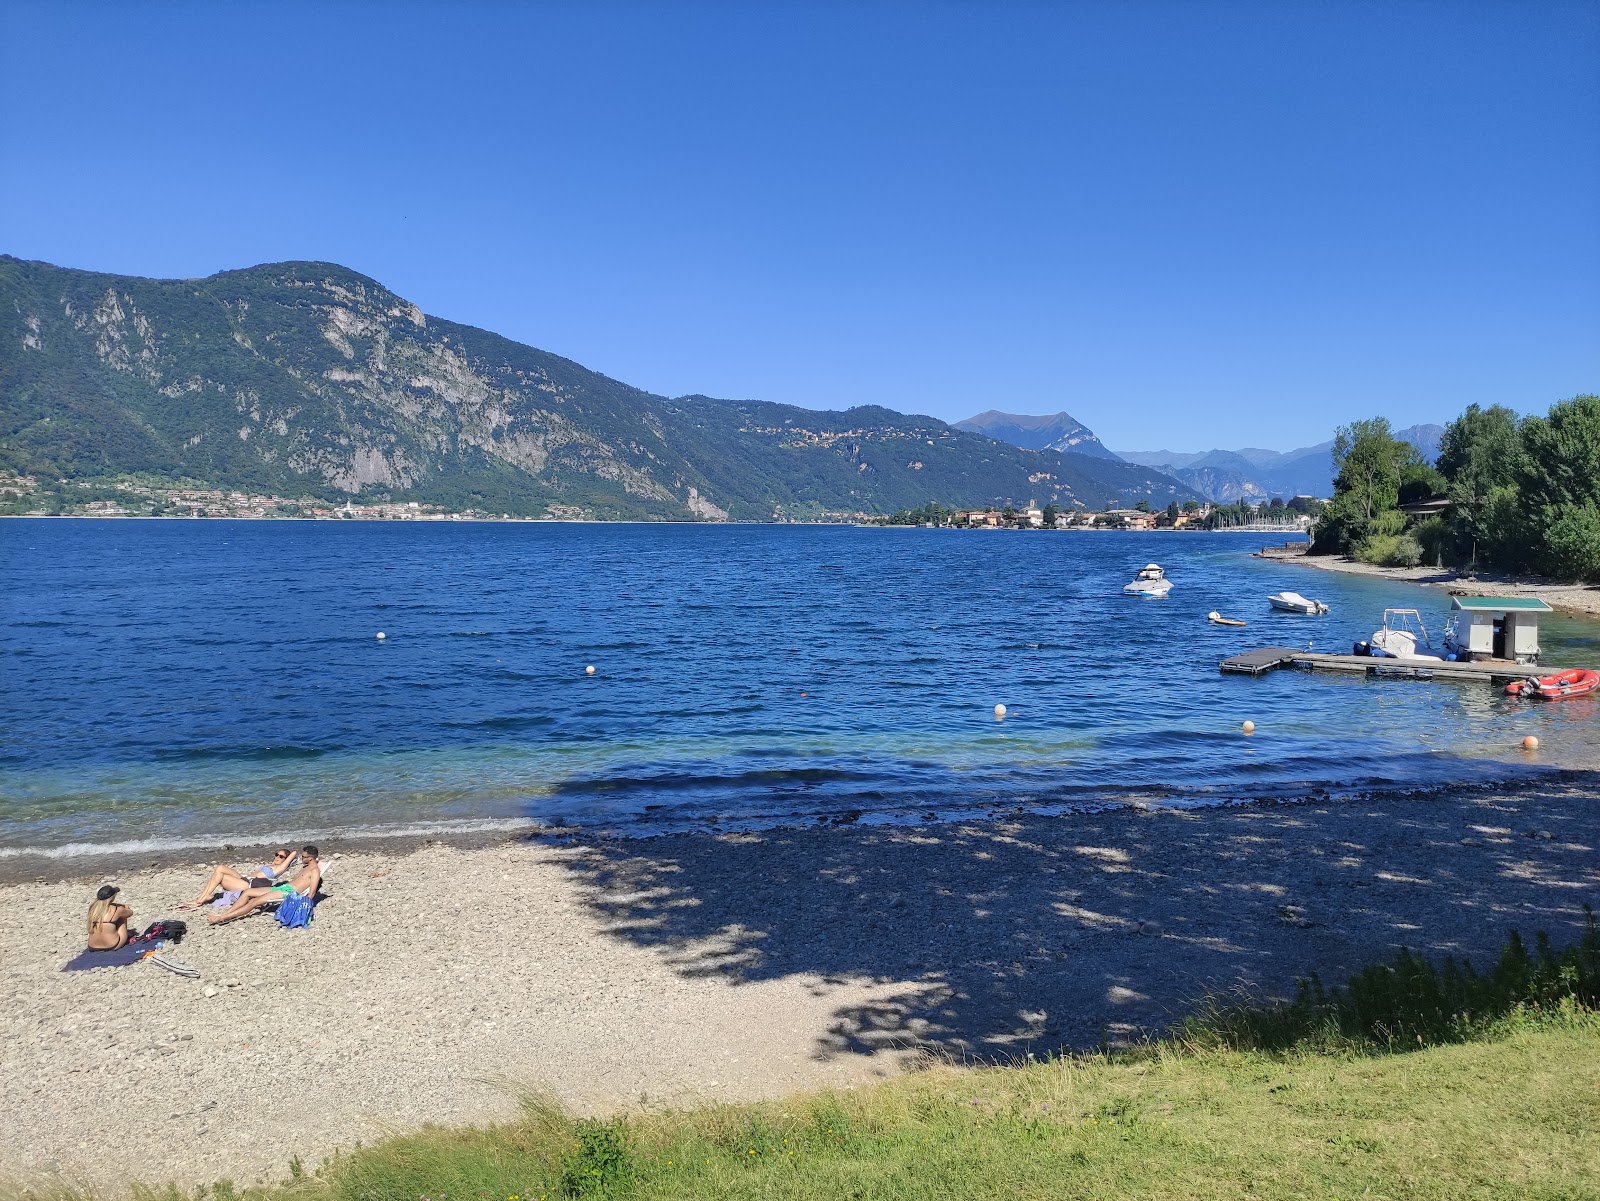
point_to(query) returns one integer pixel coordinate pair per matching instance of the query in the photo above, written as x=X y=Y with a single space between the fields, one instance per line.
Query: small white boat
x=1217 y=619
x=1399 y=636
x=1151 y=581
x=1293 y=602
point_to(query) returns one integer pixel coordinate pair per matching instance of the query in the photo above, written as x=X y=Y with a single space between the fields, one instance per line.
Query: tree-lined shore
x=1507 y=493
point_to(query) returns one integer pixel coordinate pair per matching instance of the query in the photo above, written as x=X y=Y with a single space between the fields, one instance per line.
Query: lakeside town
x=28 y=496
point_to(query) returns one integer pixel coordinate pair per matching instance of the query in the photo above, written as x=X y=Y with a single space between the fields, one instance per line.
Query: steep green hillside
x=307 y=379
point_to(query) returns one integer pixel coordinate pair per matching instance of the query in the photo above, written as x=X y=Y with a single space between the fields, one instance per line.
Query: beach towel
x=227 y=899
x=85 y=961
x=295 y=911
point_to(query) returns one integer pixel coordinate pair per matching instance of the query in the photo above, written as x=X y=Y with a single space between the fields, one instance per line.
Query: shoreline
x=438 y=984
x=1582 y=599
x=91 y=868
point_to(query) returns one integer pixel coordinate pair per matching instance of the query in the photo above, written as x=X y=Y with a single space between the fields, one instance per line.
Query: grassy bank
x=1416 y=1080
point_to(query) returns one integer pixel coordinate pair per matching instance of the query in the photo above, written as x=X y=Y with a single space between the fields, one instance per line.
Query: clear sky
x=1189 y=224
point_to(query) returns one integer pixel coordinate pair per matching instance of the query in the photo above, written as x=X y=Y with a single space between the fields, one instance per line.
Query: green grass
x=1363 y=1092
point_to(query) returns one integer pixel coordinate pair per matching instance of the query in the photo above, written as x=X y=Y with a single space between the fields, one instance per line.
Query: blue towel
x=295 y=911
x=85 y=961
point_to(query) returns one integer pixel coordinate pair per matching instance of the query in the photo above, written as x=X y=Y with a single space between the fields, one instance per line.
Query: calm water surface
x=168 y=683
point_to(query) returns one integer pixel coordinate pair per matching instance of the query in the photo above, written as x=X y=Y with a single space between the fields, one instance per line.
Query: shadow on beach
x=1026 y=934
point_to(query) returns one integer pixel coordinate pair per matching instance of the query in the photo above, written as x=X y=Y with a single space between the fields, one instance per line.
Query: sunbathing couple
x=264 y=887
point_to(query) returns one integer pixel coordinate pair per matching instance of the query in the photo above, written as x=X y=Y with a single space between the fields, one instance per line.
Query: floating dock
x=1489 y=671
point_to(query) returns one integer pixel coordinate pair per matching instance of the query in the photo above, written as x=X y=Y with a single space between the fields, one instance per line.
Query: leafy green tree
x=1561 y=456
x=1191 y=506
x=1572 y=544
x=1481 y=457
x=1051 y=512
x=1369 y=463
x=1143 y=506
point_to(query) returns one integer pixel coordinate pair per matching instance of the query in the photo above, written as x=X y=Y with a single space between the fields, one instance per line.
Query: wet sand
x=438 y=983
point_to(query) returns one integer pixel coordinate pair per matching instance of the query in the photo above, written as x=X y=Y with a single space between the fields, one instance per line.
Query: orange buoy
x=1530 y=743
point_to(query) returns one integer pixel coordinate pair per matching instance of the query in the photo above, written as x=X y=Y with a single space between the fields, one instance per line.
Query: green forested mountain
x=308 y=379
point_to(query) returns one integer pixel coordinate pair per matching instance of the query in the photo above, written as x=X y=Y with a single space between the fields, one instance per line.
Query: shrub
x=602 y=1164
x=1390 y=550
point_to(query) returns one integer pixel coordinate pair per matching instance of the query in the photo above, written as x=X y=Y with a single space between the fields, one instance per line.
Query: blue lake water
x=186 y=683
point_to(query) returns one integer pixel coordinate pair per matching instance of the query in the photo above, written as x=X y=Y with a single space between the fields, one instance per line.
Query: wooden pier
x=1488 y=671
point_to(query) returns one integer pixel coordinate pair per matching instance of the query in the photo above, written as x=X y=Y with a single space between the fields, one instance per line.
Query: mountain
x=1228 y=475
x=308 y=379
x=1060 y=431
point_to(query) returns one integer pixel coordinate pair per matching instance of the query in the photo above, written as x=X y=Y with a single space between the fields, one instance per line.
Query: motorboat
x=1402 y=632
x=1217 y=619
x=1293 y=602
x=1151 y=581
x=1577 y=682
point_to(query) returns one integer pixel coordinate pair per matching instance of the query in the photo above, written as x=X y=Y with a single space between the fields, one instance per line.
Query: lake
x=177 y=683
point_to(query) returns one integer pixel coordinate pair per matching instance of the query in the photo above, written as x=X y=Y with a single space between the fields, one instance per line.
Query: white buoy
x=999 y=710
x=589 y=671
x=1249 y=727
x=381 y=635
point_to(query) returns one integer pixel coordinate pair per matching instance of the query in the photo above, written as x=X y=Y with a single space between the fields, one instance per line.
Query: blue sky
x=1189 y=224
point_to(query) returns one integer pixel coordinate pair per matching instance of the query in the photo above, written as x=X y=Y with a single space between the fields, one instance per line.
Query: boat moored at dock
x=1562 y=685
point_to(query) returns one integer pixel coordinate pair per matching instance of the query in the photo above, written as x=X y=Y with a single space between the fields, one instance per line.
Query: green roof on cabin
x=1500 y=604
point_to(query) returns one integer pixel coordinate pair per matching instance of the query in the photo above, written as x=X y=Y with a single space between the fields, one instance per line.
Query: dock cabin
x=1497 y=627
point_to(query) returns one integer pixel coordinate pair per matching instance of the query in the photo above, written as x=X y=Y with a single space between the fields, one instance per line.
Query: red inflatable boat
x=1578 y=682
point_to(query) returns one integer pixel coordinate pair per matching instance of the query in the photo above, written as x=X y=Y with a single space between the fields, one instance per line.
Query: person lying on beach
x=108 y=920
x=306 y=882
x=223 y=877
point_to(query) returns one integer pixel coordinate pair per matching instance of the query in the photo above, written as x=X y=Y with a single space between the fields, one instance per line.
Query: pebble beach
x=442 y=983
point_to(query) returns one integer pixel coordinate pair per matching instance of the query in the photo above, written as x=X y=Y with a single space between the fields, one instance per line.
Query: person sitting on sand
x=108 y=920
x=306 y=882
x=223 y=877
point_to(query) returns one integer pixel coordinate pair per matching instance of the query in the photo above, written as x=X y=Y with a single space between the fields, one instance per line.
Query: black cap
x=107 y=891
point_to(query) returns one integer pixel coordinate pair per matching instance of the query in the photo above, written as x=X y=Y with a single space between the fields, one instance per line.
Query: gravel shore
x=1574 y=598
x=438 y=984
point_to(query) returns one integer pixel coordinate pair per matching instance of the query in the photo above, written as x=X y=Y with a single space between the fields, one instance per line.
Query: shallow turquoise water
x=169 y=683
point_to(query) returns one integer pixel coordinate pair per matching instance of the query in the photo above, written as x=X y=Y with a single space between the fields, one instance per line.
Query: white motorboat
x=1151 y=581
x=1402 y=630
x=1293 y=602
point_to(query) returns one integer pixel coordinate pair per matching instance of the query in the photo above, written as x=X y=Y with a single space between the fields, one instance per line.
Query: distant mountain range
x=1218 y=475
x=1229 y=475
x=308 y=379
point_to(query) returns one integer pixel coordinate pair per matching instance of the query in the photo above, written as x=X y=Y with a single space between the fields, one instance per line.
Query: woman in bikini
x=306 y=882
x=265 y=875
x=108 y=920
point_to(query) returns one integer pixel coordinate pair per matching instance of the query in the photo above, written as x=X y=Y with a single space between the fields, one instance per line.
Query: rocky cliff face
x=307 y=378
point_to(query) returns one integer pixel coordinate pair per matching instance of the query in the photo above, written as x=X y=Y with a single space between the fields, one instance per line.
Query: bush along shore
x=1416 y=1079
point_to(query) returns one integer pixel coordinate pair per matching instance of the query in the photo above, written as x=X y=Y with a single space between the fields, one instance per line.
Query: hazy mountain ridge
x=309 y=378
x=1228 y=475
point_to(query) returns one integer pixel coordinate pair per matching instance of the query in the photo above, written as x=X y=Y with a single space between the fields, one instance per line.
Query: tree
x=1368 y=462
x=1173 y=511
x=1559 y=487
x=1051 y=512
x=1191 y=506
x=1143 y=506
x=1481 y=457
